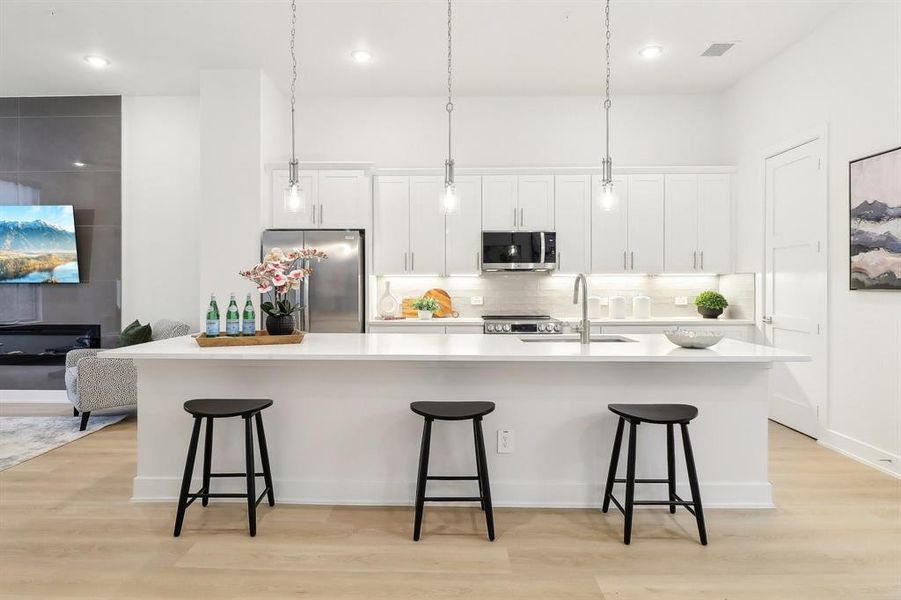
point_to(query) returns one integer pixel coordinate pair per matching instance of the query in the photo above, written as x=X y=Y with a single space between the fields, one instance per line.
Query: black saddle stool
x=661 y=414
x=221 y=408
x=453 y=411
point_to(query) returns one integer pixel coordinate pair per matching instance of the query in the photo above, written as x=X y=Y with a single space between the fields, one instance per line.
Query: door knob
x=768 y=320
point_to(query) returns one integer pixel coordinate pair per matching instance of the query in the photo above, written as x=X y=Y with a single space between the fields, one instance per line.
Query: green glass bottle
x=232 y=318
x=249 y=319
x=212 y=318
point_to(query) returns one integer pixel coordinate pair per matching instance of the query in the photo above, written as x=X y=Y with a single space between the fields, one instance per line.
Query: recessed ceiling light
x=361 y=56
x=78 y=164
x=651 y=51
x=96 y=61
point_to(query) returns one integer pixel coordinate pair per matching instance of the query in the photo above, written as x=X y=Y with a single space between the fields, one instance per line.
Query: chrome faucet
x=585 y=329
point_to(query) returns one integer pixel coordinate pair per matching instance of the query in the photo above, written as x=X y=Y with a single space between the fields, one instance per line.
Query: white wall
x=523 y=131
x=847 y=73
x=161 y=201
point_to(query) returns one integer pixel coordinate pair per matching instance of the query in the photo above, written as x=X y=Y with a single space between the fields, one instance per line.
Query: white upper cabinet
x=500 y=202
x=609 y=231
x=572 y=199
x=536 y=203
x=681 y=223
x=645 y=235
x=335 y=199
x=391 y=240
x=698 y=223
x=463 y=243
x=426 y=225
x=715 y=223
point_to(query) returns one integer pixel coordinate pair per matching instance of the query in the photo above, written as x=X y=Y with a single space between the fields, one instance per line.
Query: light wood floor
x=68 y=530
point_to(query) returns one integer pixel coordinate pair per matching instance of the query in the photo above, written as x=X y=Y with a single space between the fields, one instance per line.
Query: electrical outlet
x=604 y=300
x=476 y=301
x=681 y=301
x=504 y=441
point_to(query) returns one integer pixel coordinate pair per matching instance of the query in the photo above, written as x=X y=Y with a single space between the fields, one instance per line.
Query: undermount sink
x=575 y=338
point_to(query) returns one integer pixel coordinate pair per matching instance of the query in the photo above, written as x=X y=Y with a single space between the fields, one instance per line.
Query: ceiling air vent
x=718 y=48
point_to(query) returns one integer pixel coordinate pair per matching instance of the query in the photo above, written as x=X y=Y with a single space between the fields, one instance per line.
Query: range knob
x=489 y=327
x=506 y=327
x=556 y=326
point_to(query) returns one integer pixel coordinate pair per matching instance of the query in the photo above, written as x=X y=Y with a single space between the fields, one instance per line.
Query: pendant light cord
x=450 y=104
x=608 y=162
x=293 y=76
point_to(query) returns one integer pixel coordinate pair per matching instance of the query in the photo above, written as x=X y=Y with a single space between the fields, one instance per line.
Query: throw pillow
x=135 y=333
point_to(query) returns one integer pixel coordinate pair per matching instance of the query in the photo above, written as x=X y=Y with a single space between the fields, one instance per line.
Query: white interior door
x=464 y=228
x=499 y=202
x=795 y=282
x=572 y=198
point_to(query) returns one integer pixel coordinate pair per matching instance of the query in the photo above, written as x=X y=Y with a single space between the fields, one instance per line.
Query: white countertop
x=654 y=348
x=685 y=321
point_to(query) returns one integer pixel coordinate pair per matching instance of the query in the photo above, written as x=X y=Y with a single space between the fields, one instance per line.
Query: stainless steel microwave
x=519 y=250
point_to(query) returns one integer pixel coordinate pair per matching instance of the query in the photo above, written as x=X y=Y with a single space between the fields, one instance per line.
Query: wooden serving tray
x=260 y=339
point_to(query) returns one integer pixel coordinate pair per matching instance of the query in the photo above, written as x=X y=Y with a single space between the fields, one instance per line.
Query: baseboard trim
x=33 y=397
x=862 y=452
x=509 y=494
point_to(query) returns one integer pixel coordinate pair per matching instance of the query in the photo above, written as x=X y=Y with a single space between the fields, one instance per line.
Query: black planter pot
x=709 y=313
x=281 y=325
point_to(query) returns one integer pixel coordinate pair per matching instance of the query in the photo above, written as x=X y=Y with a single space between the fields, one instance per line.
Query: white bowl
x=693 y=339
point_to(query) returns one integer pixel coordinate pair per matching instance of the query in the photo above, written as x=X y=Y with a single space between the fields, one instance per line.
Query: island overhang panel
x=341 y=432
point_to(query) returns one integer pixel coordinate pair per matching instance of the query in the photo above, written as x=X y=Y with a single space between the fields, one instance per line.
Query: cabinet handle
x=478 y=261
x=320 y=214
x=632 y=261
x=702 y=260
x=694 y=261
x=521 y=218
x=625 y=264
x=405 y=262
x=412 y=262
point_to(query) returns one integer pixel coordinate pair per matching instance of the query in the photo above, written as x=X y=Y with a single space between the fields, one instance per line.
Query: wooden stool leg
x=251 y=481
x=693 y=482
x=264 y=458
x=614 y=462
x=186 y=478
x=483 y=479
x=207 y=460
x=421 y=480
x=671 y=466
x=630 y=483
x=475 y=437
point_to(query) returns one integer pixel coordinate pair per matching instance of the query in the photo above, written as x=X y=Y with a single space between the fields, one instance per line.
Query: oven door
x=519 y=250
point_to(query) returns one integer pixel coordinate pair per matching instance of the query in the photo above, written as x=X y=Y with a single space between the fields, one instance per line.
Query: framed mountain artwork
x=875 y=190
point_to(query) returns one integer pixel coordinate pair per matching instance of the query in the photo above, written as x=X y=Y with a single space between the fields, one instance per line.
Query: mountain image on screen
x=37 y=245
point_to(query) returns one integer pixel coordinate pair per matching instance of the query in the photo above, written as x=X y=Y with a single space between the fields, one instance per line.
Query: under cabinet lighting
x=650 y=52
x=97 y=61
x=361 y=56
x=78 y=164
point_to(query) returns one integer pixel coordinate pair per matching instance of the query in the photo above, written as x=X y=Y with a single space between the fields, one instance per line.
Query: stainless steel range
x=519 y=324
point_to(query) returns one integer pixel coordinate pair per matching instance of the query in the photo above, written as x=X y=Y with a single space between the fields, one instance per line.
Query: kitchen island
x=341 y=432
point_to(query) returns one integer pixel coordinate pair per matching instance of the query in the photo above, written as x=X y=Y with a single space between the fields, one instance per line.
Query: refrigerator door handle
x=306 y=306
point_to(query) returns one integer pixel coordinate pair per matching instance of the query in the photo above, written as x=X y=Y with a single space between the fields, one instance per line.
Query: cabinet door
x=464 y=229
x=572 y=220
x=499 y=202
x=427 y=225
x=281 y=218
x=343 y=200
x=646 y=223
x=609 y=230
x=715 y=223
x=681 y=217
x=466 y=329
x=405 y=328
x=391 y=242
x=536 y=203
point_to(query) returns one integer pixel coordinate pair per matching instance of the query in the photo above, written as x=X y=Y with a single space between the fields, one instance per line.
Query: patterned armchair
x=94 y=382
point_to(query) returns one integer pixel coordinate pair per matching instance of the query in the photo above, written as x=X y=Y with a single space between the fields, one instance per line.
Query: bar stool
x=220 y=408
x=453 y=411
x=661 y=414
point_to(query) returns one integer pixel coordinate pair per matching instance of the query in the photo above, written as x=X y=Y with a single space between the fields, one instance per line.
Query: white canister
x=617 y=307
x=641 y=307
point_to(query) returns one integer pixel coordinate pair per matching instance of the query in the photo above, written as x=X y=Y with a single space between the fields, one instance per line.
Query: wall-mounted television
x=37 y=244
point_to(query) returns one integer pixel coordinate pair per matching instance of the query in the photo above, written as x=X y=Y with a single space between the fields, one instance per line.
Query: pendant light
x=295 y=197
x=606 y=194
x=451 y=202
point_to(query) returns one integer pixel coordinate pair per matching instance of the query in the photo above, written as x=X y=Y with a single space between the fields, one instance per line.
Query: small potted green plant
x=710 y=304
x=426 y=307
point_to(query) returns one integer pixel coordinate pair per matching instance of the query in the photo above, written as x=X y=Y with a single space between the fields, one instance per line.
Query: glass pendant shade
x=451 y=201
x=295 y=199
x=607 y=198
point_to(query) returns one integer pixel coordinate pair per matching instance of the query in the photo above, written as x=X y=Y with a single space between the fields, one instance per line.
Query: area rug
x=23 y=438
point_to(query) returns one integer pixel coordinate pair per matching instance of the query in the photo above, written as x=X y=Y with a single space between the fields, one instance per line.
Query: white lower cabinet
x=405 y=329
x=742 y=333
x=467 y=329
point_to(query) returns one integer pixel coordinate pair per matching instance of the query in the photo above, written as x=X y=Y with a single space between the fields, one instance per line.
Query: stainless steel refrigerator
x=332 y=299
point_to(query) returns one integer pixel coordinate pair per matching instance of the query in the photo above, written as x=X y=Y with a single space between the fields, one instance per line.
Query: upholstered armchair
x=94 y=382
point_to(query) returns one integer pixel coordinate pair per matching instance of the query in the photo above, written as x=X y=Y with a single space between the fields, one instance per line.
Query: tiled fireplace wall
x=537 y=293
x=41 y=139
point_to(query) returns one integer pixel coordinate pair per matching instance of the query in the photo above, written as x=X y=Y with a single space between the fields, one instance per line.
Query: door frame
x=816 y=132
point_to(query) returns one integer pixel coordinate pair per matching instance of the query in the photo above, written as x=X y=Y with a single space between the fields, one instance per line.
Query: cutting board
x=445 y=306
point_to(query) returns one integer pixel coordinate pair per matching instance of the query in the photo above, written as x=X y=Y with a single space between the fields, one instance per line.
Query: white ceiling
x=505 y=47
